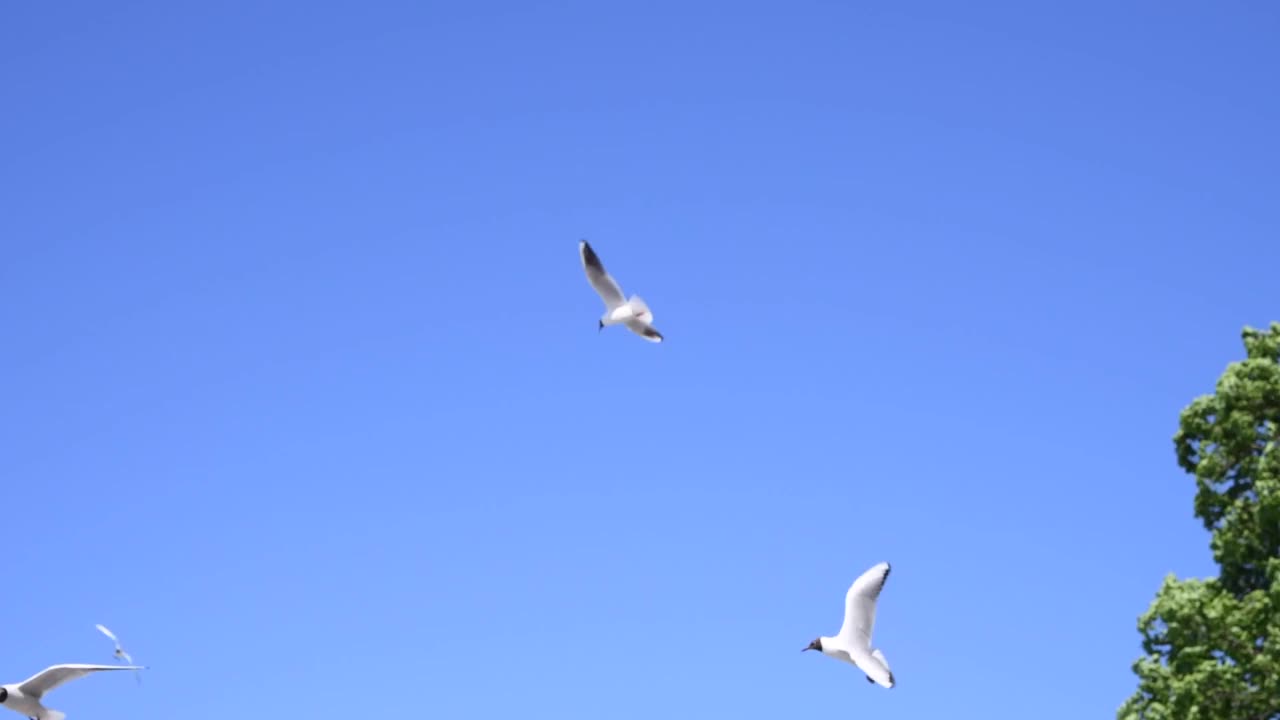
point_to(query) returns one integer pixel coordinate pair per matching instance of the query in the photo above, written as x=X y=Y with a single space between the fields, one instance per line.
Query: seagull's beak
x=806 y=648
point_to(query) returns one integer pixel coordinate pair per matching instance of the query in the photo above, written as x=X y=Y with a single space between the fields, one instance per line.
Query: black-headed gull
x=633 y=313
x=25 y=697
x=119 y=654
x=853 y=643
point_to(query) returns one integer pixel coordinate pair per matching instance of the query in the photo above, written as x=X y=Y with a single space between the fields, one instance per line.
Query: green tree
x=1212 y=647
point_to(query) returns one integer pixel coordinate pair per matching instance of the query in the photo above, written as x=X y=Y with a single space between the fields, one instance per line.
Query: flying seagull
x=25 y=697
x=853 y=643
x=119 y=654
x=633 y=313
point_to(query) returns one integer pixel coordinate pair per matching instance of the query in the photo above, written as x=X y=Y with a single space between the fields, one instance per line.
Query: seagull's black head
x=815 y=645
x=4 y=695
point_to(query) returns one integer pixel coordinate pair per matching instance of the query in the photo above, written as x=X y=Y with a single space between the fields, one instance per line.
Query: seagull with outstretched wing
x=119 y=654
x=618 y=310
x=853 y=643
x=27 y=696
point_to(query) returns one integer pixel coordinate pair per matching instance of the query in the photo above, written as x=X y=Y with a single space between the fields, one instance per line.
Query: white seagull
x=633 y=313
x=25 y=697
x=119 y=654
x=853 y=643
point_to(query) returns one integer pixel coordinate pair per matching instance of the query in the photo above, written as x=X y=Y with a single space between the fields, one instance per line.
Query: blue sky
x=303 y=385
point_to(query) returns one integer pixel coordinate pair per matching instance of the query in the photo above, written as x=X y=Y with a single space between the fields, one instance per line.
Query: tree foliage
x=1212 y=647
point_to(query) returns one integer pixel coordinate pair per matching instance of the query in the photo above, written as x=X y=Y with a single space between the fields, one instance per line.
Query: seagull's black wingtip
x=589 y=256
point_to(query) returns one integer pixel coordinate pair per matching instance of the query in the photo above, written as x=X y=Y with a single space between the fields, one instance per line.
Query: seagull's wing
x=644 y=330
x=860 y=606
x=51 y=677
x=103 y=629
x=604 y=284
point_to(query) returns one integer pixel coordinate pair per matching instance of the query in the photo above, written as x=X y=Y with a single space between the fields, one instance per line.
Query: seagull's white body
x=853 y=643
x=618 y=310
x=27 y=696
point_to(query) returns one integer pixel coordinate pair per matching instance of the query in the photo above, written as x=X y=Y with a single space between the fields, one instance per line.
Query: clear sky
x=303 y=394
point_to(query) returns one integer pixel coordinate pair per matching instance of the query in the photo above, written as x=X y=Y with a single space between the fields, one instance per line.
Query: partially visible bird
x=633 y=313
x=119 y=654
x=853 y=643
x=26 y=697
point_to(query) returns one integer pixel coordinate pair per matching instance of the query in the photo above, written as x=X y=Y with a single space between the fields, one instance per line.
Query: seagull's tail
x=880 y=656
x=886 y=679
x=639 y=310
x=52 y=715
